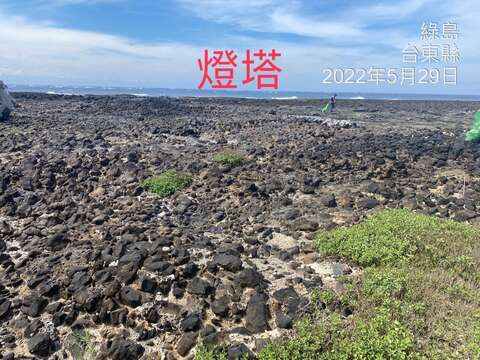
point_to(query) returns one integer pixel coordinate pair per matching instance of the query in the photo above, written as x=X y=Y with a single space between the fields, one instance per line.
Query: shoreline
x=220 y=98
x=244 y=94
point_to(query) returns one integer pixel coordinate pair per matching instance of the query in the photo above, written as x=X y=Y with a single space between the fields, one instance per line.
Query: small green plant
x=385 y=286
x=325 y=296
x=329 y=337
x=168 y=183
x=380 y=337
x=229 y=157
x=474 y=343
x=308 y=344
x=204 y=352
x=82 y=345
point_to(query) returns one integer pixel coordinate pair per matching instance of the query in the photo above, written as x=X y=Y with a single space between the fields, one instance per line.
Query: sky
x=157 y=43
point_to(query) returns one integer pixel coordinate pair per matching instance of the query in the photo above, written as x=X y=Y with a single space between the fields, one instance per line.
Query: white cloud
x=46 y=54
x=349 y=27
x=247 y=13
x=285 y=22
x=389 y=10
x=269 y=16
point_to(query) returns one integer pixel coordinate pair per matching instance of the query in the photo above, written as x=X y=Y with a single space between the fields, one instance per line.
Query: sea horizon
x=246 y=94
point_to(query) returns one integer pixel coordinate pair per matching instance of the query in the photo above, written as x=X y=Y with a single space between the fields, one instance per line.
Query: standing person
x=332 y=102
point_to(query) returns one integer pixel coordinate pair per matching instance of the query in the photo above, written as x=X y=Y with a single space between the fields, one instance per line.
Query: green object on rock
x=325 y=108
x=168 y=183
x=228 y=157
x=474 y=133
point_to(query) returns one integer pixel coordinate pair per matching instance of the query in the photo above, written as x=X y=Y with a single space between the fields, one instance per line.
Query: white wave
x=58 y=93
x=140 y=95
x=286 y=98
x=357 y=98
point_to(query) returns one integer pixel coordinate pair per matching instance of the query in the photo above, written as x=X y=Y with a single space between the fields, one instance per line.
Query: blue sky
x=156 y=43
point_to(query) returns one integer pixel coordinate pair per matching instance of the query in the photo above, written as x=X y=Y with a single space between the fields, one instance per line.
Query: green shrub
x=203 y=352
x=394 y=236
x=307 y=345
x=229 y=157
x=330 y=338
x=168 y=183
x=380 y=337
x=385 y=286
x=325 y=296
x=422 y=270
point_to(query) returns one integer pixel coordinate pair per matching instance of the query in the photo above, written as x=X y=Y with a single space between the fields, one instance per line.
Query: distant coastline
x=273 y=95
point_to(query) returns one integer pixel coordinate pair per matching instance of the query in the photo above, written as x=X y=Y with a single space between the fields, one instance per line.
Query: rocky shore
x=94 y=266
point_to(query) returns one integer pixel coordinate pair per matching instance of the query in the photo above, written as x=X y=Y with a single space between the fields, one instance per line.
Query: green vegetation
x=325 y=296
x=329 y=337
x=168 y=183
x=474 y=133
x=82 y=345
x=204 y=352
x=312 y=335
x=229 y=157
x=418 y=296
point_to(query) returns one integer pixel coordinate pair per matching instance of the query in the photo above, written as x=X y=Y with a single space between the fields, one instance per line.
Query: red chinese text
x=219 y=68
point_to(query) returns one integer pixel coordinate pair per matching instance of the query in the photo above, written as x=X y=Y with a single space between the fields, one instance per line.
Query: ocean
x=273 y=95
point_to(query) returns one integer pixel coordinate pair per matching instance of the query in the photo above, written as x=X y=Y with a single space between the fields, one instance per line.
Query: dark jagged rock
x=191 y=323
x=228 y=262
x=199 y=286
x=250 y=278
x=186 y=342
x=368 y=203
x=33 y=305
x=124 y=349
x=239 y=352
x=130 y=296
x=257 y=314
x=41 y=345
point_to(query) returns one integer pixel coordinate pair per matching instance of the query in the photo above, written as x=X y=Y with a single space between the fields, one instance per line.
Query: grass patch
x=229 y=157
x=82 y=345
x=324 y=296
x=204 y=352
x=399 y=238
x=329 y=337
x=422 y=270
x=168 y=183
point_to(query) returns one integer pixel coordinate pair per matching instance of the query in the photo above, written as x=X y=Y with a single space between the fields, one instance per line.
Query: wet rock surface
x=230 y=259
